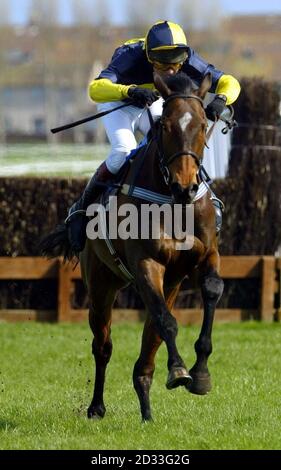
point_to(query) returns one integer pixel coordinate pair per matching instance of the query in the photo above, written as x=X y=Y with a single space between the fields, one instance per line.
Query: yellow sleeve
x=228 y=86
x=104 y=90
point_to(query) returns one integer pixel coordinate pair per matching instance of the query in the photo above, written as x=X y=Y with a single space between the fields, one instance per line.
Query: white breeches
x=121 y=127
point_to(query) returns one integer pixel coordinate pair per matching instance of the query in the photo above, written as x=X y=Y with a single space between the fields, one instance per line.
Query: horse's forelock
x=180 y=83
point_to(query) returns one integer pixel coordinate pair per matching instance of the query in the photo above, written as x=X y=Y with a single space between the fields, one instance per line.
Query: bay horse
x=172 y=168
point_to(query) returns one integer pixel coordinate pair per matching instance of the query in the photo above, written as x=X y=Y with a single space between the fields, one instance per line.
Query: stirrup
x=78 y=211
x=219 y=209
x=219 y=201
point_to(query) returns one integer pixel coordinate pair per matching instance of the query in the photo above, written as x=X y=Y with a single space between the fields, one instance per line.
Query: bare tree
x=91 y=11
x=81 y=11
x=193 y=15
x=188 y=13
x=45 y=12
x=5 y=12
x=141 y=15
x=213 y=14
x=101 y=11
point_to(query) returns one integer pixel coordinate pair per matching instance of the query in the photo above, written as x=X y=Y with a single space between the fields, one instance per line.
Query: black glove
x=142 y=96
x=216 y=107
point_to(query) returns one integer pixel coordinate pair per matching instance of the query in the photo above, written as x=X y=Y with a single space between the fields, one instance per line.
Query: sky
x=20 y=8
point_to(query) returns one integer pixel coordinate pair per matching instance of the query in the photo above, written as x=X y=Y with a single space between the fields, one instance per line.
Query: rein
x=151 y=196
x=189 y=152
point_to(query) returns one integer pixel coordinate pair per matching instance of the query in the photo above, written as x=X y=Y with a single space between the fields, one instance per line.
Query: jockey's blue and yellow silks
x=228 y=86
x=130 y=66
x=104 y=90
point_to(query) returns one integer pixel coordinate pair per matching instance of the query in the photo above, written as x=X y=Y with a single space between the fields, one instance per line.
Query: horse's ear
x=161 y=86
x=204 y=86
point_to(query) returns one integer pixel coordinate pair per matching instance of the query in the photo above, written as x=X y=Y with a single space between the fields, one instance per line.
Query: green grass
x=51 y=160
x=46 y=385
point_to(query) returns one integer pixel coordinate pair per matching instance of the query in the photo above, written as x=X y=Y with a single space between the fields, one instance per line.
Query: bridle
x=164 y=162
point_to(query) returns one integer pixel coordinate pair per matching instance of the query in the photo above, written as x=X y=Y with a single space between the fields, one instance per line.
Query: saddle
x=113 y=186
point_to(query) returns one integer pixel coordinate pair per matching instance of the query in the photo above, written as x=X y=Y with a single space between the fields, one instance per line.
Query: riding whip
x=87 y=119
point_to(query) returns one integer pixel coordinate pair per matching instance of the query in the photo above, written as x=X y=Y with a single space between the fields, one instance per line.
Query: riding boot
x=76 y=220
x=219 y=209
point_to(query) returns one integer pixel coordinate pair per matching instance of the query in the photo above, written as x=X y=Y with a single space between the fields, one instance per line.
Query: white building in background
x=30 y=112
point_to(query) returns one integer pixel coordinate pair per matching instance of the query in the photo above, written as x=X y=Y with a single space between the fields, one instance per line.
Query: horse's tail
x=56 y=244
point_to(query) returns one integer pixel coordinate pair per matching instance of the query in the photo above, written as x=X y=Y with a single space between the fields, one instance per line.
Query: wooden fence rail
x=265 y=268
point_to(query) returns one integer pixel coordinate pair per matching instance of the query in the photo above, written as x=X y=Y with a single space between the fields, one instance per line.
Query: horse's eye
x=166 y=126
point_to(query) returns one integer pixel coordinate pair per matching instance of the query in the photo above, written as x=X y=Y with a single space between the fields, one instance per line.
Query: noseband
x=165 y=163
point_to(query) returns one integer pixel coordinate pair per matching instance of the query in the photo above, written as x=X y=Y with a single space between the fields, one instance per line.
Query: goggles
x=168 y=56
x=163 y=66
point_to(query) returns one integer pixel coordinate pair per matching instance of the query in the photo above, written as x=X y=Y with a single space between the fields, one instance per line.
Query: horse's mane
x=180 y=83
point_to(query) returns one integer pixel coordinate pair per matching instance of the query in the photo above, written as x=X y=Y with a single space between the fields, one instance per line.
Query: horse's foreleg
x=100 y=322
x=211 y=288
x=150 y=285
x=102 y=286
x=144 y=367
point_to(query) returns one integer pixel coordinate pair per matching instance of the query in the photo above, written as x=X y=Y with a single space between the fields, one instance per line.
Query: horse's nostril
x=184 y=195
x=176 y=189
x=192 y=190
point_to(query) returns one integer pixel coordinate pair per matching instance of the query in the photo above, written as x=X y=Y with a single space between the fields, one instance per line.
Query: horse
x=172 y=167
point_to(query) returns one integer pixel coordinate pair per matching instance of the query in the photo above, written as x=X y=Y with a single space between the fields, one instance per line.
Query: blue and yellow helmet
x=166 y=42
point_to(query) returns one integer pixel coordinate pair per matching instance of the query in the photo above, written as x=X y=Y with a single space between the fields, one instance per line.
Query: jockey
x=130 y=75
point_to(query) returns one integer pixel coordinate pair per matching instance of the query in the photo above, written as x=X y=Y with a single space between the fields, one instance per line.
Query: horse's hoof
x=178 y=376
x=96 y=412
x=146 y=418
x=201 y=384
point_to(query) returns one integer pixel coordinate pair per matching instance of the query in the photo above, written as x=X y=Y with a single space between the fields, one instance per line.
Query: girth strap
x=126 y=273
x=153 y=197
